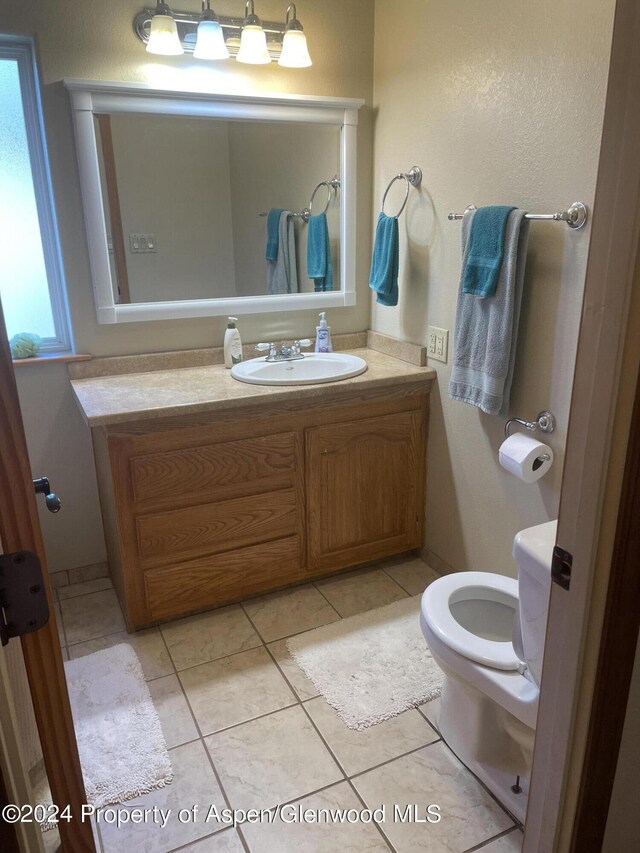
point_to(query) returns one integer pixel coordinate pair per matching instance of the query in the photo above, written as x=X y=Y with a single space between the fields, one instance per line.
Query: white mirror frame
x=90 y=96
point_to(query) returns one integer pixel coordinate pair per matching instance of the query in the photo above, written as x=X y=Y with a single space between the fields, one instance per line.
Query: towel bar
x=575 y=216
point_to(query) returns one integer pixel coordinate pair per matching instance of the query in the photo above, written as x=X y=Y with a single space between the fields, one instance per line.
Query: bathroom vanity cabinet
x=204 y=509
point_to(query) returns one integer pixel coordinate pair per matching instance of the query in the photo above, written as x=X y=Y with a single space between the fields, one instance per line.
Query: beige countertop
x=192 y=390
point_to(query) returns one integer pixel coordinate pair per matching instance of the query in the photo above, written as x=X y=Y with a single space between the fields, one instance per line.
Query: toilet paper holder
x=545 y=422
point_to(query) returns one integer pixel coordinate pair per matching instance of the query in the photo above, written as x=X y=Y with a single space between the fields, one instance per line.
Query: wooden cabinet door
x=365 y=489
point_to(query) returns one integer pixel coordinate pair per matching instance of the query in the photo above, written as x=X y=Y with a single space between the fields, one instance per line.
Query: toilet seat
x=438 y=599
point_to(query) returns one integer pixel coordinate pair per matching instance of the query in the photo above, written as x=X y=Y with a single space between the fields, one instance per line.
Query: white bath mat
x=122 y=749
x=371 y=666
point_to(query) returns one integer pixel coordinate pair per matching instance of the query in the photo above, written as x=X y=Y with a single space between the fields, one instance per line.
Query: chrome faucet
x=286 y=351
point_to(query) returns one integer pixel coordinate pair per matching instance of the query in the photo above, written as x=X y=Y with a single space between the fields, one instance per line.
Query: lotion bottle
x=323 y=335
x=232 y=344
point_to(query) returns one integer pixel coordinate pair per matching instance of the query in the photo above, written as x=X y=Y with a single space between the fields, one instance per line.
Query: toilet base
x=473 y=727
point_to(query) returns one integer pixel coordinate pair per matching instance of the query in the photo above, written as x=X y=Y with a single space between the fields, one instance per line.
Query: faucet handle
x=263 y=347
x=305 y=342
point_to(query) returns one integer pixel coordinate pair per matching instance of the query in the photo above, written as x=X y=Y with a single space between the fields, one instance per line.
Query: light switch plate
x=142 y=243
x=438 y=343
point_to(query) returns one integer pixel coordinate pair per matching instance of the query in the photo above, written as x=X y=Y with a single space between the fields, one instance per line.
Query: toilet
x=486 y=632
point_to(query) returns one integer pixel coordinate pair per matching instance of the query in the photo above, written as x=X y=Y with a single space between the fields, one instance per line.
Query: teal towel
x=273 y=222
x=319 y=266
x=384 y=264
x=486 y=250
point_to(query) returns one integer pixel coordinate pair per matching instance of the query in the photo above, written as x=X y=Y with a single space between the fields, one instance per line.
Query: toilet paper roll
x=524 y=457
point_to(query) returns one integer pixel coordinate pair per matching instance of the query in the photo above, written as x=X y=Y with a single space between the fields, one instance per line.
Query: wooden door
x=20 y=531
x=365 y=489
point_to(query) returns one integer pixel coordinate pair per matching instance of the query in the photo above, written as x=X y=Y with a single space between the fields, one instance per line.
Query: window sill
x=53 y=357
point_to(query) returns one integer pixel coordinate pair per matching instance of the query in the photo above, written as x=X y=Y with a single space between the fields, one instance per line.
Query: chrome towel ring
x=413 y=178
x=332 y=187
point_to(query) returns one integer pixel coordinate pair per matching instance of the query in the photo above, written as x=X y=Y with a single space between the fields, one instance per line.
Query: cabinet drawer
x=265 y=462
x=163 y=537
x=176 y=590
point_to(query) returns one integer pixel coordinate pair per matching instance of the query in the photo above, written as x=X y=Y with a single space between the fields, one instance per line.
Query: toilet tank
x=533 y=551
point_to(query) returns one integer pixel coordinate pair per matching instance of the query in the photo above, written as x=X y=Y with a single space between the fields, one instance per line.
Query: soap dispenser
x=232 y=344
x=323 y=335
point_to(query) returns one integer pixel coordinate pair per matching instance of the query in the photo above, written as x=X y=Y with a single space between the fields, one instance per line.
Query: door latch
x=561 y=567
x=23 y=599
x=42 y=487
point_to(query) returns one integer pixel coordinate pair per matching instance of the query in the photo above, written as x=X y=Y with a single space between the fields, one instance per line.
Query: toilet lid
x=467 y=586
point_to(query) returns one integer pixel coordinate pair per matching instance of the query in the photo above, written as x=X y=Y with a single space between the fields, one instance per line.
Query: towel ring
x=333 y=184
x=413 y=178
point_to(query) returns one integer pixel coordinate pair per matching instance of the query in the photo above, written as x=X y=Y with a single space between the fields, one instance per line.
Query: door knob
x=42 y=487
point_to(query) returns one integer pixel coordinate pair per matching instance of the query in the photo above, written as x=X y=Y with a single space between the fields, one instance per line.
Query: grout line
x=332 y=606
x=386 y=840
x=213 y=660
x=389 y=760
x=433 y=725
x=251 y=719
x=483 y=844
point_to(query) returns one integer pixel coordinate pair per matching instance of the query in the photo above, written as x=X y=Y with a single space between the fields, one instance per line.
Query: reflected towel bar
x=332 y=187
x=575 y=216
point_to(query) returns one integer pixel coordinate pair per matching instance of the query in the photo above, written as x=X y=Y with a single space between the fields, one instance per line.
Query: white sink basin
x=314 y=368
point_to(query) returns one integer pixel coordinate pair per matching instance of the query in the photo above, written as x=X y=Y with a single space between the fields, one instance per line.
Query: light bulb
x=210 y=43
x=295 y=53
x=163 y=35
x=253 y=46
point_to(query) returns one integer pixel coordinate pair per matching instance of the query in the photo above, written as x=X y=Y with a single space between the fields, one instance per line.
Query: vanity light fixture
x=295 y=53
x=208 y=36
x=163 y=35
x=253 y=41
x=210 y=42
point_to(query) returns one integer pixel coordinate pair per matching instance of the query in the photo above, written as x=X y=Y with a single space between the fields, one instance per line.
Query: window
x=31 y=276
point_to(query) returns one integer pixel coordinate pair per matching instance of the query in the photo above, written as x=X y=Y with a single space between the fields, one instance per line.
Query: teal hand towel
x=486 y=250
x=273 y=223
x=383 y=277
x=319 y=266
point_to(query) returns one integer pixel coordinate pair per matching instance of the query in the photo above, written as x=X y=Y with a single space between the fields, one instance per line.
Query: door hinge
x=561 y=567
x=23 y=599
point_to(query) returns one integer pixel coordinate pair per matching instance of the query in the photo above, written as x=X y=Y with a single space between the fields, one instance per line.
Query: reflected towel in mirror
x=282 y=275
x=319 y=266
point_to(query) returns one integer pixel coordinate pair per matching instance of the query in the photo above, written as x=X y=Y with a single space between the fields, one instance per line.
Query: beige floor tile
x=234 y=689
x=51 y=841
x=74 y=589
x=193 y=784
x=357 y=751
x=209 y=636
x=58 y=579
x=148 y=645
x=431 y=711
x=413 y=574
x=65 y=653
x=175 y=717
x=303 y=686
x=511 y=843
x=356 y=592
x=89 y=616
x=323 y=837
x=88 y=573
x=226 y=841
x=433 y=775
x=281 y=614
x=272 y=760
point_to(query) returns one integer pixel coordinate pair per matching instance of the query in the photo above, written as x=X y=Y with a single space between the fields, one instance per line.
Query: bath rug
x=122 y=749
x=371 y=666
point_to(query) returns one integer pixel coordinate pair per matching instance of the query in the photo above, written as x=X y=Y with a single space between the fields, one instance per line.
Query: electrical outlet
x=438 y=343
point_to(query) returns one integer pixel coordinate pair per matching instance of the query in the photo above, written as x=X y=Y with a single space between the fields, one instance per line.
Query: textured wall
x=95 y=41
x=498 y=102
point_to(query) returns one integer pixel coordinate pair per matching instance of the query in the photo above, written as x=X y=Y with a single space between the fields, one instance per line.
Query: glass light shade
x=210 y=43
x=253 y=46
x=163 y=38
x=295 y=53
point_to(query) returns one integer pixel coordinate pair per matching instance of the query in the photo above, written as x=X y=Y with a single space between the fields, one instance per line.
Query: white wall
x=498 y=102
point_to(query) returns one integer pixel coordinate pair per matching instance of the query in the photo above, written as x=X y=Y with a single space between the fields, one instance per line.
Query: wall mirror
x=183 y=191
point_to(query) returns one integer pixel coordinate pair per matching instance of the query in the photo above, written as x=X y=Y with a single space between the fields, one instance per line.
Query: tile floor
x=247 y=730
